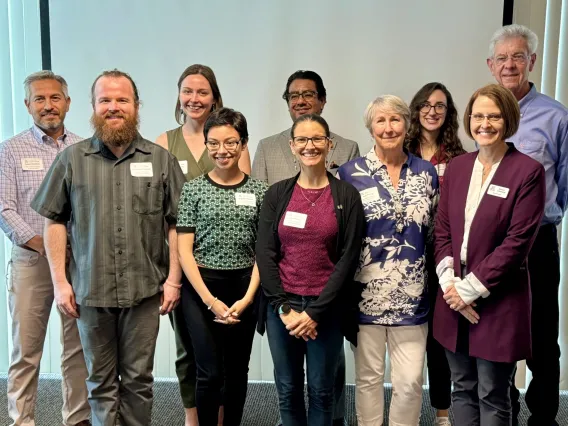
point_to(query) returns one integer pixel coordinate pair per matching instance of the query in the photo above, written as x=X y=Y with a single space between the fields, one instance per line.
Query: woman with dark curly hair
x=433 y=136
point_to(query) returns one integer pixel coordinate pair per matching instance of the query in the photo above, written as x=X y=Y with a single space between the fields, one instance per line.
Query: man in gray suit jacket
x=273 y=161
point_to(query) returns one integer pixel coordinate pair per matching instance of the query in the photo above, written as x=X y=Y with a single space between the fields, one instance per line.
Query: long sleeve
x=561 y=176
x=354 y=152
x=13 y=225
x=512 y=252
x=347 y=264
x=268 y=248
x=259 y=163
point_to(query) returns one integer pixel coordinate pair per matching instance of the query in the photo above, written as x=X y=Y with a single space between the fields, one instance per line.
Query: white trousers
x=407 y=349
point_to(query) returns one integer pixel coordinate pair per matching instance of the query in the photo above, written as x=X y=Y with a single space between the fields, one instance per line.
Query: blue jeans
x=322 y=357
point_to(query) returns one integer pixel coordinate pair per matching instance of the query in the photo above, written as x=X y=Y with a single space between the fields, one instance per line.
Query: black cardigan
x=340 y=294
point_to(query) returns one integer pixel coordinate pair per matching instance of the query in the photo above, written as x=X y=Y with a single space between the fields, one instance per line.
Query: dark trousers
x=321 y=356
x=542 y=395
x=481 y=390
x=185 y=360
x=439 y=381
x=222 y=352
x=119 y=346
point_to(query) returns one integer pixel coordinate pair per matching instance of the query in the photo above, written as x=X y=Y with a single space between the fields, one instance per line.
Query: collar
x=41 y=137
x=97 y=146
x=528 y=98
x=375 y=164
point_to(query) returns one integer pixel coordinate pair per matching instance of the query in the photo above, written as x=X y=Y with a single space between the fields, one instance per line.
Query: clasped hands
x=225 y=315
x=300 y=325
x=453 y=299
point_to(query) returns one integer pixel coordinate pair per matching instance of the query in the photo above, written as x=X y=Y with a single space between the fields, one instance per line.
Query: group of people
x=416 y=247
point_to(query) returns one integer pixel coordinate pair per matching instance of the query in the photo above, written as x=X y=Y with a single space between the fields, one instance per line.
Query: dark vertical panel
x=45 y=34
x=508 y=6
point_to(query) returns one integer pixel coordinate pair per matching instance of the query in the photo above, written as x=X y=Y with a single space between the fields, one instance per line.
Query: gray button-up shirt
x=118 y=209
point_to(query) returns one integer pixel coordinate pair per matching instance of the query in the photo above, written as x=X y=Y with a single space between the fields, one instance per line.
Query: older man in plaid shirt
x=24 y=161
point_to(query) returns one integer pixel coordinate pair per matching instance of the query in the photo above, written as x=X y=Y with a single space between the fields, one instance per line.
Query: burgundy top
x=306 y=264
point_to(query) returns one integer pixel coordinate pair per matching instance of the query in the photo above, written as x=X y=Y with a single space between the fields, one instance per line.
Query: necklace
x=313 y=203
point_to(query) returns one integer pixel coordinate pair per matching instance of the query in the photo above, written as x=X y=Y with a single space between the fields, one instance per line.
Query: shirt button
x=119 y=229
x=120 y=275
x=118 y=207
x=117 y=183
x=148 y=184
x=120 y=252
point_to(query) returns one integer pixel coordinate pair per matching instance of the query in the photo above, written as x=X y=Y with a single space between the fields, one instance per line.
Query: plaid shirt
x=24 y=161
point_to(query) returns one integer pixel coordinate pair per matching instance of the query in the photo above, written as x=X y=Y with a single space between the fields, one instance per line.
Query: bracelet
x=178 y=286
x=212 y=303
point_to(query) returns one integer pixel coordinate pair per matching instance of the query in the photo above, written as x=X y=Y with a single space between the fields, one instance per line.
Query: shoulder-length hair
x=448 y=136
x=209 y=75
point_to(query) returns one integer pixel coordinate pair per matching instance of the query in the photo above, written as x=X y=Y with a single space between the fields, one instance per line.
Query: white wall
x=361 y=48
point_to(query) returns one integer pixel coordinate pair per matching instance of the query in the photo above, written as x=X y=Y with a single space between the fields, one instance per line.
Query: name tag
x=369 y=195
x=32 y=164
x=243 y=199
x=441 y=169
x=498 y=191
x=183 y=165
x=141 y=169
x=295 y=220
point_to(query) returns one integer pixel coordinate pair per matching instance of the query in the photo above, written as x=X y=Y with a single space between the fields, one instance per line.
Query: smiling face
x=196 y=97
x=302 y=106
x=222 y=157
x=430 y=120
x=511 y=64
x=485 y=131
x=48 y=105
x=310 y=155
x=388 y=130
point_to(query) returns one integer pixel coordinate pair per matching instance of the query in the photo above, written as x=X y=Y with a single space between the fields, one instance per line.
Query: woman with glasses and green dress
x=217 y=224
x=433 y=136
x=198 y=96
x=309 y=240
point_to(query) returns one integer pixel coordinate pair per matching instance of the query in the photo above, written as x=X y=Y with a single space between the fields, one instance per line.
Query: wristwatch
x=284 y=309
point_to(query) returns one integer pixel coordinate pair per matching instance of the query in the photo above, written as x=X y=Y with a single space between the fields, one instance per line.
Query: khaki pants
x=407 y=347
x=30 y=297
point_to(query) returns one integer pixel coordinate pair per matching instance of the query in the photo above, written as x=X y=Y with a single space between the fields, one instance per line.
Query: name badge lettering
x=498 y=191
x=244 y=199
x=183 y=165
x=295 y=220
x=370 y=195
x=141 y=169
x=32 y=164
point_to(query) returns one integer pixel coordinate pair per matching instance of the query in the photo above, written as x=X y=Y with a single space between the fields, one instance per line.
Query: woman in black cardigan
x=309 y=239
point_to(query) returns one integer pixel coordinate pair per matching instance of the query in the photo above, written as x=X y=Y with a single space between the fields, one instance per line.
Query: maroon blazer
x=501 y=235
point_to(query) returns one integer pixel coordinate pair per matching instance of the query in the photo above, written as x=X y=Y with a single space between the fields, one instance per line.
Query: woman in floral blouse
x=398 y=191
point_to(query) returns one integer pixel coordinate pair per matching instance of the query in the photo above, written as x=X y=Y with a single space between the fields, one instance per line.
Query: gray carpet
x=261 y=407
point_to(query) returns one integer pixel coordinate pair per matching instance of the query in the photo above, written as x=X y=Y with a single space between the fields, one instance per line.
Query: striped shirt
x=117 y=209
x=24 y=161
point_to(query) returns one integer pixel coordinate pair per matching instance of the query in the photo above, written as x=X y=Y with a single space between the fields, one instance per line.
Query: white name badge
x=244 y=199
x=369 y=195
x=498 y=191
x=32 y=164
x=295 y=220
x=183 y=165
x=141 y=169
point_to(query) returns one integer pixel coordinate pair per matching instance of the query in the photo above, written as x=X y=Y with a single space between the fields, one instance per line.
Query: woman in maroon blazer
x=490 y=208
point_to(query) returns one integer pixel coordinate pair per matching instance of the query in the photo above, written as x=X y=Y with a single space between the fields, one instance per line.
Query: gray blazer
x=274 y=161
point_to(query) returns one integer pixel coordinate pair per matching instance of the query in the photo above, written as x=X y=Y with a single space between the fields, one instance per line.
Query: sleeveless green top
x=179 y=149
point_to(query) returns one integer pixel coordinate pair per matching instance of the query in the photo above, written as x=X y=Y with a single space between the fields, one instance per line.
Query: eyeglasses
x=308 y=95
x=478 y=118
x=230 y=145
x=438 y=108
x=518 y=58
x=302 y=141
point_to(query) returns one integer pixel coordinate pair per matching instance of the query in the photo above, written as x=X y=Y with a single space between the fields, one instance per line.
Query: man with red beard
x=24 y=161
x=120 y=194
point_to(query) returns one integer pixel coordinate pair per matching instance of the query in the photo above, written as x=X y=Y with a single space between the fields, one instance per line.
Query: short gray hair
x=514 y=31
x=44 y=75
x=387 y=103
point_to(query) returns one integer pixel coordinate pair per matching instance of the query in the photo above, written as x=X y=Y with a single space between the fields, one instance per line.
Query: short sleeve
x=52 y=199
x=176 y=180
x=187 y=207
